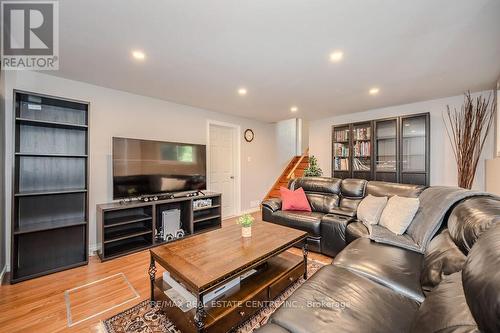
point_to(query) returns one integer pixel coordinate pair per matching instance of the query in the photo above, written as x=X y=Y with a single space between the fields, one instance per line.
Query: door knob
x=232 y=177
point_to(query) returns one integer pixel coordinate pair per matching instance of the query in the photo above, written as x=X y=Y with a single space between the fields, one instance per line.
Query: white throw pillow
x=398 y=214
x=370 y=209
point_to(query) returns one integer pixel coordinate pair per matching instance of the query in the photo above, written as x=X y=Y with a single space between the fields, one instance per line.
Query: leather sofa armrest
x=333 y=229
x=343 y=212
x=274 y=204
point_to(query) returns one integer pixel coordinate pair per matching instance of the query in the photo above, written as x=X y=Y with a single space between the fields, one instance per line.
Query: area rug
x=147 y=318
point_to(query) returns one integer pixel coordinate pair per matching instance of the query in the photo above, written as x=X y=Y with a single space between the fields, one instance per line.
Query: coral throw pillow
x=294 y=200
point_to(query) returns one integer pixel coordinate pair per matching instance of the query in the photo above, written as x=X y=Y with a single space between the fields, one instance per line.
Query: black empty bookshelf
x=50 y=185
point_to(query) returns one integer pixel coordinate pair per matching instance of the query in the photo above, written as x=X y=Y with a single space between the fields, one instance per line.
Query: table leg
x=152 y=276
x=305 y=251
x=199 y=318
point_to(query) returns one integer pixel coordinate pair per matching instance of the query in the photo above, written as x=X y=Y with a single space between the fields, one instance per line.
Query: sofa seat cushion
x=356 y=230
x=306 y=221
x=338 y=300
x=391 y=266
x=445 y=309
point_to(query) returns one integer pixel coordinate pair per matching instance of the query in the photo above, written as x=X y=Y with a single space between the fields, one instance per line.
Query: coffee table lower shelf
x=240 y=302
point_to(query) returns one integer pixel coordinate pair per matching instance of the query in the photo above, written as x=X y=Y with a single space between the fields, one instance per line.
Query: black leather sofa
x=372 y=287
x=332 y=222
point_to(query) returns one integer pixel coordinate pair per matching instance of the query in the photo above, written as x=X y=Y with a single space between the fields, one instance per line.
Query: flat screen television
x=146 y=167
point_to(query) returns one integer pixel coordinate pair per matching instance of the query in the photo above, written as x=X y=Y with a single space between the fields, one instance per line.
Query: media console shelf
x=124 y=228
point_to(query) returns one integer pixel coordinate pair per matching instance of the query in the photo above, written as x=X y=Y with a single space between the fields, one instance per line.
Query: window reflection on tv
x=146 y=167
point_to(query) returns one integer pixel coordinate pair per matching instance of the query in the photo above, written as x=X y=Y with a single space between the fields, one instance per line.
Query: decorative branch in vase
x=467 y=130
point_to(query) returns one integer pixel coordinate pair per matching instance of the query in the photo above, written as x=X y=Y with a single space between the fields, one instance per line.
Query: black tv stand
x=124 y=228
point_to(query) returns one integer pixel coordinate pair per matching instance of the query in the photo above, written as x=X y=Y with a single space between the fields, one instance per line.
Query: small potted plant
x=246 y=222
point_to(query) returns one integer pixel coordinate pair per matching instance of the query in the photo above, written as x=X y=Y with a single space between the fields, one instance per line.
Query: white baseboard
x=250 y=211
x=93 y=250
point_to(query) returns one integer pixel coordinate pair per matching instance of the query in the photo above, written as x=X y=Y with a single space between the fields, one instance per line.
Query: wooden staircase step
x=297 y=164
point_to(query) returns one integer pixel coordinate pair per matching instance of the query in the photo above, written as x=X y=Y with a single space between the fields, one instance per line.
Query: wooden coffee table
x=203 y=263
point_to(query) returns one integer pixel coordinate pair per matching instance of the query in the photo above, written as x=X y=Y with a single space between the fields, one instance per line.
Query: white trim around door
x=236 y=161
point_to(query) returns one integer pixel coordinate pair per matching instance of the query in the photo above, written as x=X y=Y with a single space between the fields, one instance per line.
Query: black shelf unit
x=50 y=185
x=125 y=228
x=399 y=150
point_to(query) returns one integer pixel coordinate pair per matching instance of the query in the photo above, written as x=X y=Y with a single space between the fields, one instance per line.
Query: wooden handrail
x=291 y=174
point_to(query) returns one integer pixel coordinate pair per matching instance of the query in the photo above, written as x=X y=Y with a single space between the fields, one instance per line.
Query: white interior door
x=222 y=166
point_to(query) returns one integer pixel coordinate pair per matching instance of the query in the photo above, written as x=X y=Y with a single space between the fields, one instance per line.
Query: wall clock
x=249 y=135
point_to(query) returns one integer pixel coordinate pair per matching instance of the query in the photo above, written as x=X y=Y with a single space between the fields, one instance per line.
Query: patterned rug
x=147 y=318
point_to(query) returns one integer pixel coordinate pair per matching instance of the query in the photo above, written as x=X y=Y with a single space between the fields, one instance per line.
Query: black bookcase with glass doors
x=394 y=149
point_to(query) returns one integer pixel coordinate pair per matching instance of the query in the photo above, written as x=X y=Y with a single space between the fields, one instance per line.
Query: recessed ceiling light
x=139 y=55
x=294 y=109
x=336 y=56
x=374 y=91
x=242 y=91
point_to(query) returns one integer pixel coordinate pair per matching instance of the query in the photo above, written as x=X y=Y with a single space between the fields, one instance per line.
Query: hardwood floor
x=39 y=305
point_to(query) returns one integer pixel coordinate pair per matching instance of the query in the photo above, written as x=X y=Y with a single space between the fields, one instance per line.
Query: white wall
x=3 y=220
x=286 y=141
x=493 y=165
x=117 y=113
x=443 y=167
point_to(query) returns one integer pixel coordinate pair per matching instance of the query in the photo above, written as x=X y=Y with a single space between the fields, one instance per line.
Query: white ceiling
x=200 y=52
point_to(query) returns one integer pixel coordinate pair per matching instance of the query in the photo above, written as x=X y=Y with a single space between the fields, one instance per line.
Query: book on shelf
x=341 y=164
x=341 y=135
x=362 y=133
x=341 y=150
x=362 y=148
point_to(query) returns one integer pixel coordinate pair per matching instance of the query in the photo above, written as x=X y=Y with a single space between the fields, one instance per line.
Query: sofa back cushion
x=320 y=185
x=352 y=191
x=323 y=203
x=471 y=218
x=323 y=193
x=481 y=280
x=441 y=258
x=380 y=189
x=353 y=188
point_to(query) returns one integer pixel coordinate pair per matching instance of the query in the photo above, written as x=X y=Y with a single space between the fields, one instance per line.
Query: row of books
x=362 y=133
x=340 y=149
x=342 y=135
x=362 y=148
x=341 y=164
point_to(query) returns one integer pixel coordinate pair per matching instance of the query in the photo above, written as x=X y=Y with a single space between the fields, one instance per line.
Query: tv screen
x=145 y=167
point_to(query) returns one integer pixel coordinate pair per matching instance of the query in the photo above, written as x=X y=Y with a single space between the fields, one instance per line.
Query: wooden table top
x=201 y=261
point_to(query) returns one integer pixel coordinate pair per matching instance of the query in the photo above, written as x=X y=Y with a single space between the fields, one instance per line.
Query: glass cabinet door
x=362 y=148
x=341 y=153
x=386 y=146
x=413 y=145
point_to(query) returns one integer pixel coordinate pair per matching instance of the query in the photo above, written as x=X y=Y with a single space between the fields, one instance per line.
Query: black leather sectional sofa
x=332 y=222
x=454 y=287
